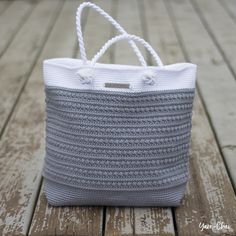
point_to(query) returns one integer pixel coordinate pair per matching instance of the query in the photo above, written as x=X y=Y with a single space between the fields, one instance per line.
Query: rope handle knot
x=85 y=75
x=149 y=77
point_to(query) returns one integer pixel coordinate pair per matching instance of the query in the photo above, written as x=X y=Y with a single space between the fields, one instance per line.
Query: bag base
x=63 y=195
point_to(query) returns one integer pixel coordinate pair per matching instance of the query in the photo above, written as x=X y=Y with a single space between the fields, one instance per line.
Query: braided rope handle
x=112 y=21
x=109 y=43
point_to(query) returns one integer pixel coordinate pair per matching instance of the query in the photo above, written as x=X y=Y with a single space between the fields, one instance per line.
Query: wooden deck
x=200 y=31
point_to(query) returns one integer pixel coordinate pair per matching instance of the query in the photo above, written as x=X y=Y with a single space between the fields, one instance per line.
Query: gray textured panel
x=112 y=143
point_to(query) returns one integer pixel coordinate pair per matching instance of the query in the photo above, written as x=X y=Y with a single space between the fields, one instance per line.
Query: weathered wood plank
x=221 y=27
x=125 y=220
x=48 y=220
x=215 y=81
x=4 y=4
x=230 y=6
x=11 y=21
x=160 y=32
x=153 y=221
x=210 y=197
x=157 y=34
x=65 y=221
x=119 y=221
x=22 y=145
x=17 y=61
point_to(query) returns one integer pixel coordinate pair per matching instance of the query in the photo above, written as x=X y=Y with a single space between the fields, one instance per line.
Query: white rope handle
x=125 y=37
x=112 y=21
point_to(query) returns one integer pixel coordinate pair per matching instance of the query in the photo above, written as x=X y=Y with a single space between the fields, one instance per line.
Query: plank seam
x=34 y=205
x=104 y=220
x=20 y=25
x=174 y=221
x=133 y=215
x=211 y=34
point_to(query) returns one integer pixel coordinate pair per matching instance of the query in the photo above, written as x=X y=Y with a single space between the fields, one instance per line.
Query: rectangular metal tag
x=117 y=85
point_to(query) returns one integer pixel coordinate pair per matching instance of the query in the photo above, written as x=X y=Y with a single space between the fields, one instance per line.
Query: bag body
x=116 y=134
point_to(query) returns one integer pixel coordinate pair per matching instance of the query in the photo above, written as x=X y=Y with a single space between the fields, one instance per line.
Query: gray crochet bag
x=117 y=134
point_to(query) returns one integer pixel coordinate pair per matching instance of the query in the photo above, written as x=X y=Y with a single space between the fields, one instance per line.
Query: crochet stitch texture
x=115 y=148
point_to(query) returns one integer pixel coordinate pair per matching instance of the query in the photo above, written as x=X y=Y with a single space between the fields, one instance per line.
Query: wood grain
x=153 y=221
x=119 y=221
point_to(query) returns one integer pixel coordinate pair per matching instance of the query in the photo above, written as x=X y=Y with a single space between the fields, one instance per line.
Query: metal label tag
x=117 y=85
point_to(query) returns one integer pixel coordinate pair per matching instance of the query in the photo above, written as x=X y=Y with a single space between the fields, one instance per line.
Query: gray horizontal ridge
x=116 y=174
x=118 y=166
x=71 y=106
x=111 y=144
x=144 y=114
x=161 y=158
x=97 y=130
x=150 y=115
x=145 y=120
x=116 y=141
x=82 y=121
x=113 y=150
x=150 y=135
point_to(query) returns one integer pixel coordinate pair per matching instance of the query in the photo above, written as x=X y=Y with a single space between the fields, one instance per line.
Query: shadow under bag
x=117 y=134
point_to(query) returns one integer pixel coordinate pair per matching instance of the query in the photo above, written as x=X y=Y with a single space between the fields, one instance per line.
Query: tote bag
x=117 y=134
